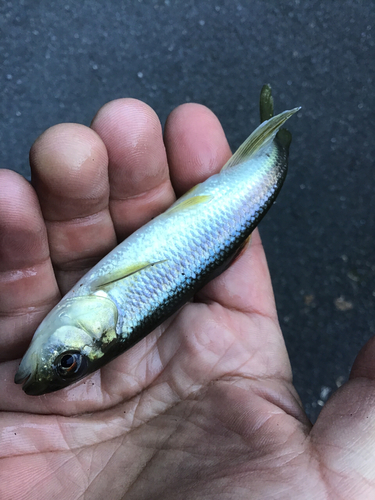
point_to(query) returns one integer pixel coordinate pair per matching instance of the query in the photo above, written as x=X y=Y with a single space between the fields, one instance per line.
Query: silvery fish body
x=159 y=267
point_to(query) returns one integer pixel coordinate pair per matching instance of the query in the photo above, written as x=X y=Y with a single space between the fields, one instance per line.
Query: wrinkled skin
x=204 y=407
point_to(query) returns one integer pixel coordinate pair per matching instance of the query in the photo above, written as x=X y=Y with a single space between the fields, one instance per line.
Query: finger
x=364 y=364
x=69 y=172
x=28 y=288
x=196 y=146
x=138 y=169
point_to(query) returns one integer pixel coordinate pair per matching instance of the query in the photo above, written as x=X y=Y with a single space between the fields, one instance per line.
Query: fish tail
x=265 y=133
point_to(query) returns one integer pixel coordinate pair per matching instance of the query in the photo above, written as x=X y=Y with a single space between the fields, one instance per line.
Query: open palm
x=204 y=407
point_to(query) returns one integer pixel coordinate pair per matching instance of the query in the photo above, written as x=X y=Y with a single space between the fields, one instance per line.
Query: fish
x=158 y=268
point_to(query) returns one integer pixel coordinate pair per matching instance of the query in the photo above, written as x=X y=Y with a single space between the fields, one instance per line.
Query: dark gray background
x=62 y=60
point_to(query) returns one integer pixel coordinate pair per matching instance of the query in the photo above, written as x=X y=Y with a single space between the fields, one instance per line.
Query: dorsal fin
x=260 y=138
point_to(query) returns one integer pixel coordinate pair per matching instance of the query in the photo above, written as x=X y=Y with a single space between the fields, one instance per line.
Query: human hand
x=204 y=407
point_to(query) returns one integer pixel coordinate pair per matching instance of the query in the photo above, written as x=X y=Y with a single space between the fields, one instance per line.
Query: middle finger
x=140 y=187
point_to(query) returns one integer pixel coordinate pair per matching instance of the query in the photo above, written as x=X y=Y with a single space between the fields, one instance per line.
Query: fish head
x=69 y=344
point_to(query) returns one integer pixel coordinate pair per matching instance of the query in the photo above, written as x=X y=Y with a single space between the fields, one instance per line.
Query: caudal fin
x=262 y=136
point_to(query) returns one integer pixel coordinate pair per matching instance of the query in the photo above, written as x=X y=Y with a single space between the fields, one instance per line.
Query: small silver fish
x=158 y=268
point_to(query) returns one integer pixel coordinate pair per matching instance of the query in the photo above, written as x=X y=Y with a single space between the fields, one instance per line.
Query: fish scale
x=160 y=266
x=205 y=242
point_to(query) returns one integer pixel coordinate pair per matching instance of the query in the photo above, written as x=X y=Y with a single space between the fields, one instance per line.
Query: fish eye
x=71 y=364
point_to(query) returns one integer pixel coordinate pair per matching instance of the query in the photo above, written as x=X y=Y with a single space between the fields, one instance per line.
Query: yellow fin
x=191 y=190
x=120 y=274
x=188 y=203
x=260 y=138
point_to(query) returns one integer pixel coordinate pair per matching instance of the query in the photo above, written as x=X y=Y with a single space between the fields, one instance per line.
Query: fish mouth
x=25 y=373
x=21 y=376
x=34 y=387
x=25 y=379
x=31 y=386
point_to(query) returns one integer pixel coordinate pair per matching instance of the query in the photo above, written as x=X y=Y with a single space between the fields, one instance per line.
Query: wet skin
x=204 y=407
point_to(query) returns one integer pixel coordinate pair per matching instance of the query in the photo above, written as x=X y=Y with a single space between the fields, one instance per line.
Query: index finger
x=28 y=288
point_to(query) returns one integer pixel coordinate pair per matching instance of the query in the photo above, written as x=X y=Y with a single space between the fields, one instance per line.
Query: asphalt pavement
x=62 y=60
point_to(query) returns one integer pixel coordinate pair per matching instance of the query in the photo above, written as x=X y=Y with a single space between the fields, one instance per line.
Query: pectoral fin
x=122 y=273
